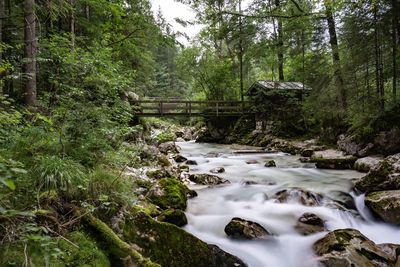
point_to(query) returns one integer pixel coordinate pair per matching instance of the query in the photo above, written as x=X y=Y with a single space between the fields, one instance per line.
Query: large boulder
x=242 y=229
x=333 y=159
x=368 y=163
x=168 y=147
x=309 y=223
x=350 y=146
x=169 y=193
x=388 y=142
x=173 y=216
x=207 y=179
x=169 y=245
x=298 y=195
x=348 y=248
x=385 y=176
x=386 y=204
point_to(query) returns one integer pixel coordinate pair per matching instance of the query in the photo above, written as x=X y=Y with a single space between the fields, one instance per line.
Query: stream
x=214 y=207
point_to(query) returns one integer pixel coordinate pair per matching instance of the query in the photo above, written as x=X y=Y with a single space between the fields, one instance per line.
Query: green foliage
x=9 y=170
x=55 y=173
x=165 y=136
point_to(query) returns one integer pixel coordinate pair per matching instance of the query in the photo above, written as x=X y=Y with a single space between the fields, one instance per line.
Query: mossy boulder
x=270 y=163
x=382 y=177
x=168 y=147
x=386 y=204
x=366 y=164
x=179 y=158
x=348 y=247
x=169 y=193
x=159 y=174
x=171 y=246
x=243 y=229
x=333 y=159
x=173 y=216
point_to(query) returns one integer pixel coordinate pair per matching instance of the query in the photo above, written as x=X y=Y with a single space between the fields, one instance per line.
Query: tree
x=29 y=67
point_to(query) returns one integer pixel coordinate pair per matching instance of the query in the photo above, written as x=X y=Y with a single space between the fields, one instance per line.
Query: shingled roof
x=270 y=85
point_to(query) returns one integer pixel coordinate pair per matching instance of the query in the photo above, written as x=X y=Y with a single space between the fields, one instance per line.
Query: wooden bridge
x=159 y=108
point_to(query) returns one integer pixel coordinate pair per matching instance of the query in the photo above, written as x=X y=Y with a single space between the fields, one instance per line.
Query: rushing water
x=214 y=207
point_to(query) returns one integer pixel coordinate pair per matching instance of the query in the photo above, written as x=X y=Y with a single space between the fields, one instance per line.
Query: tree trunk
x=241 y=53
x=2 y=17
x=72 y=24
x=378 y=63
x=280 y=44
x=394 y=47
x=335 y=55
x=29 y=67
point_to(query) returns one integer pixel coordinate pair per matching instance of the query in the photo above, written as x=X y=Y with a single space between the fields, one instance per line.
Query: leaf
x=9 y=183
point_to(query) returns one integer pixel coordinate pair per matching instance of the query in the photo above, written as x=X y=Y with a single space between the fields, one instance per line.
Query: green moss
x=174 y=194
x=335 y=163
x=173 y=216
x=86 y=254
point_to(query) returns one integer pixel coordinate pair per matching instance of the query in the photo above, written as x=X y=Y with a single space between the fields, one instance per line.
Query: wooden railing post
x=216 y=106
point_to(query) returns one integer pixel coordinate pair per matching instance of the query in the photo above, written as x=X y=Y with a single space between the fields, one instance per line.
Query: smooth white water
x=214 y=207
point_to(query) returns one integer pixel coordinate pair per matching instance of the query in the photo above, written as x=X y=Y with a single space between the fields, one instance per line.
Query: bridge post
x=216 y=106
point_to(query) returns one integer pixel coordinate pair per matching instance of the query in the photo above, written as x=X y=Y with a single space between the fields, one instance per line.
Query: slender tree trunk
x=72 y=24
x=280 y=44
x=394 y=47
x=30 y=41
x=335 y=55
x=241 y=53
x=378 y=63
x=87 y=12
x=2 y=17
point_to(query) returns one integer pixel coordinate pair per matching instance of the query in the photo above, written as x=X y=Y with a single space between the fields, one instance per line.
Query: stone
x=158 y=174
x=243 y=229
x=218 y=170
x=180 y=139
x=252 y=161
x=298 y=195
x=351 y=147
x=169 y=245
x=343 y=199
x=333 y=159
x=386 y=204
x=388 y=142
x=347 y=248
x=184 y=168
x=207 y=179
x=309 y=223
x=304 y=160
x=191 y=162
x=381 y=177
x=270 y=163
x=173 y=216
x=168 y=147
x=168 y=193
x=179 y=134
x=179 y=158
x=367 y=163
x=307 y=152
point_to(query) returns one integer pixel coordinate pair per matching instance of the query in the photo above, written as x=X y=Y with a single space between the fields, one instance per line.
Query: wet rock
x=309 y=223
x=385 y=176
x=169 y=245
x=343 y=199
x=304 y=160
x=180 y=139
x=158 y=174
x=252 y=161
x=348 y=247
x=191 y=162
x=242 y=229
x=173 y=216
x=386 y=204
x=179 y=134
x=168 y=147
x=367 y=163
x=270 y=163
x=218 y=170
x=163 y=160
x=249 y=182
x=298 y=195
x=307 y=152
x=333 y=159
x=168 y=193
x=184 y=168
x=179 y=158
x=207 y=179
x=191 y=194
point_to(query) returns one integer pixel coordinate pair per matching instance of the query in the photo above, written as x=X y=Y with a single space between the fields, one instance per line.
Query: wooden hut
x=276 y=102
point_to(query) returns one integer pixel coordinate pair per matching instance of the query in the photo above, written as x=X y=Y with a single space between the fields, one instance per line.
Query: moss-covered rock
x=386 y=204
x=169 y=193
x=171 y=246
x=207 y=179
x=348 y=247
x=333 y=159
x=173 y=216
x=270 y=163
x=366 y=164
x=298 y=195
x=379 y=178
x=309 y=223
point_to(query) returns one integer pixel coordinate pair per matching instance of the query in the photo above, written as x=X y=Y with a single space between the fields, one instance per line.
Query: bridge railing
x=193 y=108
